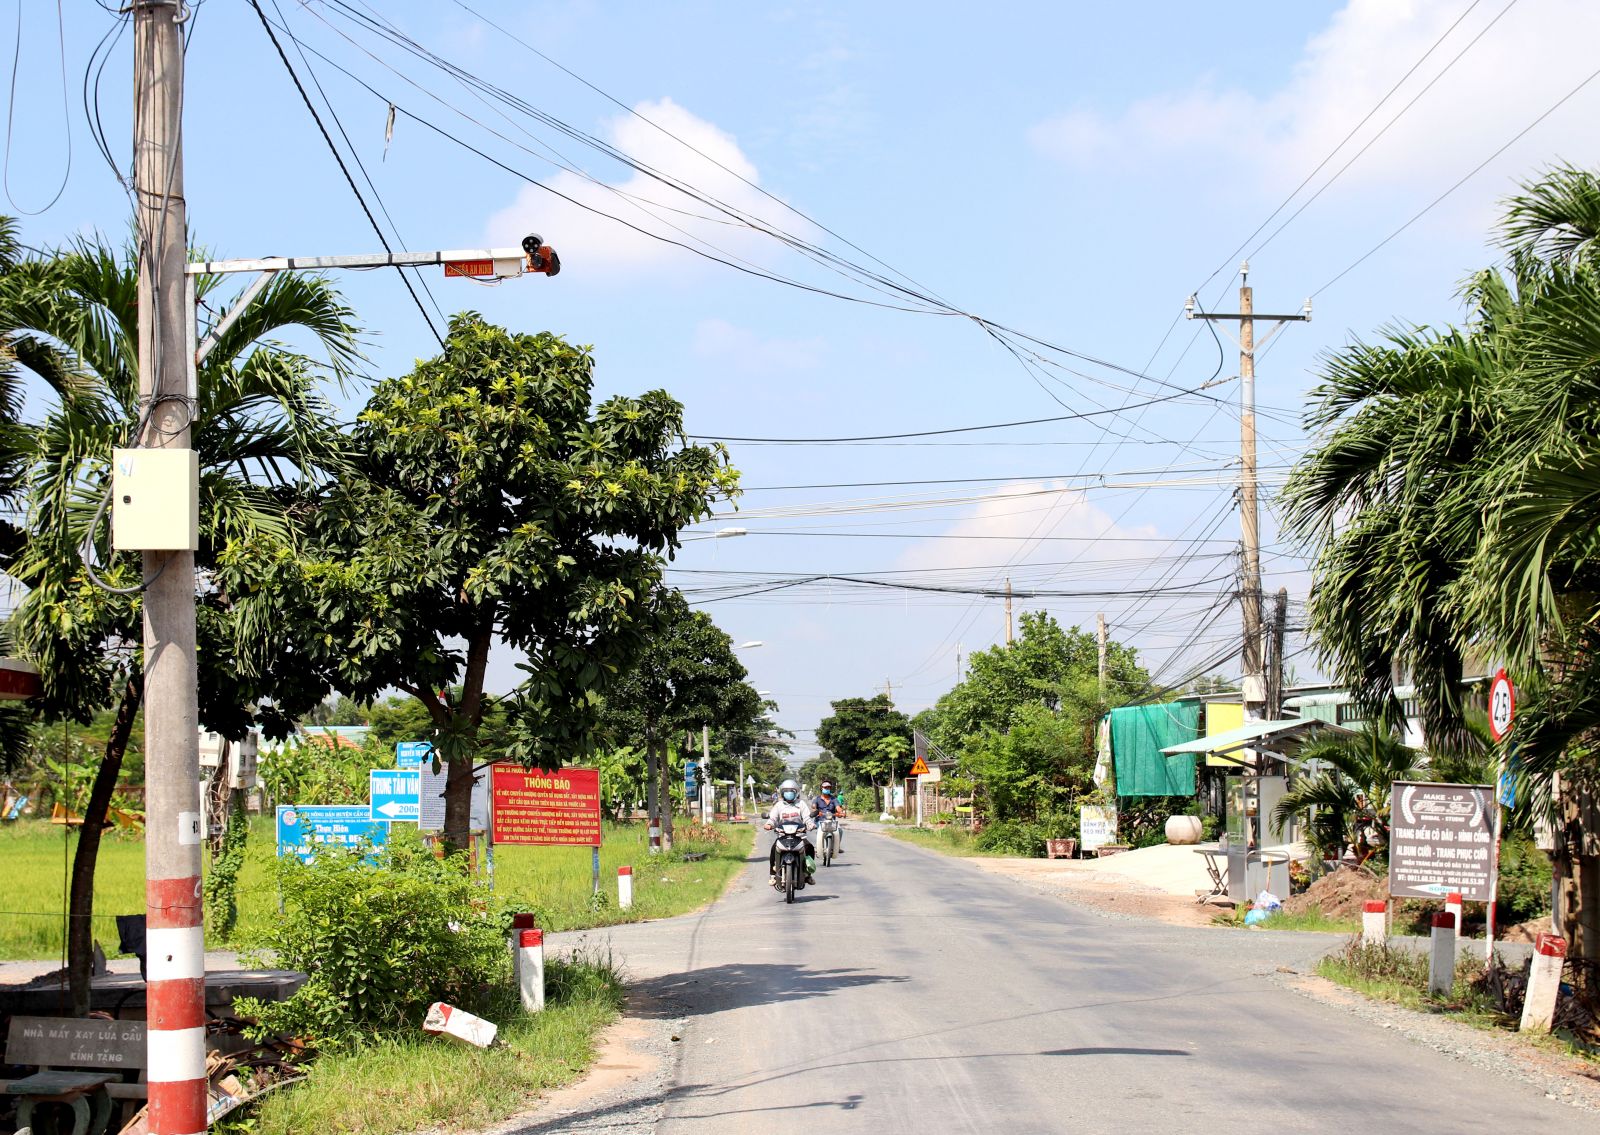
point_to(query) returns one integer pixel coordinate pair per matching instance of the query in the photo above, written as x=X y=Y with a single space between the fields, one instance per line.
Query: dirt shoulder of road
x=1559 y=1074
x=1114 y=896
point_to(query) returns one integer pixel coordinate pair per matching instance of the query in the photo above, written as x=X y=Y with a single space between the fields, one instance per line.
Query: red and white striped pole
x=655 y=837
x=624 y=888
x=176 y=961
x=1374 y=922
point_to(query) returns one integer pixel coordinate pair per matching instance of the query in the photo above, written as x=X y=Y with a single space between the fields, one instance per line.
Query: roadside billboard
x=1441 y=841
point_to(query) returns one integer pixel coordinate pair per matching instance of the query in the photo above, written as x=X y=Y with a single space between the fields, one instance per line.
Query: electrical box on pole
x=155 y=500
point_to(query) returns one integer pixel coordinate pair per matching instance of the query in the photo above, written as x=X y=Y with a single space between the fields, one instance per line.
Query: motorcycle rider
x=787 y=808
x=828 y=806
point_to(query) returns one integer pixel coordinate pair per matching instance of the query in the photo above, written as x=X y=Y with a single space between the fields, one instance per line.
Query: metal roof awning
x=1265 y=735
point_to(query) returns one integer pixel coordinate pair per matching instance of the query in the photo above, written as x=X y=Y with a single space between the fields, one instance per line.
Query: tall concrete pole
x=1100 y=644
x=1008 y=608
x=1255 y=692
x=176 y=938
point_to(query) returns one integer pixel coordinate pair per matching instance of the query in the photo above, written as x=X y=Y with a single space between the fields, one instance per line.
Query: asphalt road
x=910 y=992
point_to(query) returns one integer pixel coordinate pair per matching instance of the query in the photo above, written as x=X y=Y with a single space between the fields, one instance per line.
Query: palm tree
x=1454 y=501
x=1346 y=806
x=260 y=429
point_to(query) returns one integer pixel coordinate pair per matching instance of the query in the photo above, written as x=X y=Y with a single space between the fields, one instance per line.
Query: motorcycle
x=791 y=840
x=828 y=840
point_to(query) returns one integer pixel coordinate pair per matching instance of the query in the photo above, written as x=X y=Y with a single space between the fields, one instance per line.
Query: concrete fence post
x=625 y=888
x=1442 y=955
x=1544 y=983
x=1374 y=922
x=530 y=969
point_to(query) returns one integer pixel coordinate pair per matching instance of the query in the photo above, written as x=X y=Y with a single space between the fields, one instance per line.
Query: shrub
x=379 y=940
x=1524 y=882
x=862 y=801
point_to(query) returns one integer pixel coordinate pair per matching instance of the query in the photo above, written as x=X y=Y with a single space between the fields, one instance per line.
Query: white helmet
x=789 y=791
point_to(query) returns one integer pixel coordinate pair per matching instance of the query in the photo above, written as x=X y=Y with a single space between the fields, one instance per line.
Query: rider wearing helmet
x=829 y=806
x=788 y=806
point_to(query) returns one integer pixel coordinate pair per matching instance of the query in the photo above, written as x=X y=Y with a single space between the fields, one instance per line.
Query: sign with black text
x=1441 y=841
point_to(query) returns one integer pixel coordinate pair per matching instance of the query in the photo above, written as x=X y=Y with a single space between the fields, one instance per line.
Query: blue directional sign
x=691 y=777
x=396 y=793
x=303 y=830
x=411 y=754
x=1508 y=789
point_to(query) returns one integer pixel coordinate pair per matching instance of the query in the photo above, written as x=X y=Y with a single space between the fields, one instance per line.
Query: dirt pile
x=1339 y=894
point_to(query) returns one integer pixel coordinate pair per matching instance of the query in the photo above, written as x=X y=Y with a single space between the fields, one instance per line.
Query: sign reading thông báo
x=542 y=806
x=1441 y=841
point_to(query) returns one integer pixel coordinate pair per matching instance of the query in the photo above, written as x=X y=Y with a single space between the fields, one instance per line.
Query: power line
x=354 y=188
x=1517 y=137
x=937 y=433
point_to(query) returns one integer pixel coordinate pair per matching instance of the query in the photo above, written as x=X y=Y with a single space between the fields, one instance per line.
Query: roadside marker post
x=1544 y=983
x=655 y=837
x=1442 y=955
x=625 y=888
x=1374 y=922
x=1452 y=907
x=530 y=969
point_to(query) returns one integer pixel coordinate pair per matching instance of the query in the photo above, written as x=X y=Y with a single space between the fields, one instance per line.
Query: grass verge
x=401 y=1084
x=552 y=881
x=949 y=840
x=1312 y=920
x=1400 y=976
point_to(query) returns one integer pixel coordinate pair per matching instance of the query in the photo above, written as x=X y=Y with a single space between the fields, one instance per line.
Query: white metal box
x=155 y=501
x=242 y=761
x=211 y=745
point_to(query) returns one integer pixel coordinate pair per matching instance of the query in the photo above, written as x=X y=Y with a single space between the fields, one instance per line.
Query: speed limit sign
x=1502 y=705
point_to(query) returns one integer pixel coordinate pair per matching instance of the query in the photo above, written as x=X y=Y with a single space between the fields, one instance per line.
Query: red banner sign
x=546 y=807
x=469 y=267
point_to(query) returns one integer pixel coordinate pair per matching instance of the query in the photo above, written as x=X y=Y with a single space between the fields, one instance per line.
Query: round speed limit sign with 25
x=1502 y=705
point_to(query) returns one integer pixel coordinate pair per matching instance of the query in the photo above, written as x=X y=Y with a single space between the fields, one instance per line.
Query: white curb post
x=1544 y=983
x=1374 y=922
x=1442 y=956
x=459 y=1025
x=1452 y=907
x=530 y=969
x=624 y=888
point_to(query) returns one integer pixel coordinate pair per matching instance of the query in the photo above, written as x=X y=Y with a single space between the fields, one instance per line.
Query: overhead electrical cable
x=337 y=157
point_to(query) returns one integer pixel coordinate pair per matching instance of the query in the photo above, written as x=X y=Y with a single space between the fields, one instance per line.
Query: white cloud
x=741 y=350
x=1539 y=51
x=675 y=143
x=1017 y=511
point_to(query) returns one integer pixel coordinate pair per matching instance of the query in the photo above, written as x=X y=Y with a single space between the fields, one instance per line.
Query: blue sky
x=1072 y=171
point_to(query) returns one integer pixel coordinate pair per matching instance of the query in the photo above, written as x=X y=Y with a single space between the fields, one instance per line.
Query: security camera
x=541 y=257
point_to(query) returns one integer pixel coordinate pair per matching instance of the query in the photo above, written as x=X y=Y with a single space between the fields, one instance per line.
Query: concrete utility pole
x=1008 y=608
x=1275 y=676
x=1100 y=643
x=1255 y=686
x=176 y=938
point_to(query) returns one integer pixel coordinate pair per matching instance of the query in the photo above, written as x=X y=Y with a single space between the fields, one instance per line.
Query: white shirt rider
x=783 y=810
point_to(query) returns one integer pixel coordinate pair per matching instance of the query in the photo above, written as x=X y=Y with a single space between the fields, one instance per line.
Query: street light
x=755 y=642
x=719 y=534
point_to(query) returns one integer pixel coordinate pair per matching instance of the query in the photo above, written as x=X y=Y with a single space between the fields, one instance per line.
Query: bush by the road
x=380 y=941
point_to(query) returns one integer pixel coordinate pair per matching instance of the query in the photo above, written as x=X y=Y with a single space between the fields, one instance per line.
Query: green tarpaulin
x=1139 y=733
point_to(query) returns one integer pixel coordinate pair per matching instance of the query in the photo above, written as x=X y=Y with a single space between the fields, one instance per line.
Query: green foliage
x=1142 y=820
x=685 y=676
x=222 y=880
x=488 y=503
x=315 y=768
x=380 y=942
x=1347 y=807
x=1042 y=763
x=862 y=801
x=1026 y=837
x=1045 y=665
x=854 y=734
x=1524 y=892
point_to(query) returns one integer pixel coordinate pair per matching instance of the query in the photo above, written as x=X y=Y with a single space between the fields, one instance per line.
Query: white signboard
x=431 y=817
x=1441 y=841
x=1096 y=827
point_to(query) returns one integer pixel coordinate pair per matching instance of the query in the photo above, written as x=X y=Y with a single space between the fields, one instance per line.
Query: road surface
x=910 y=992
